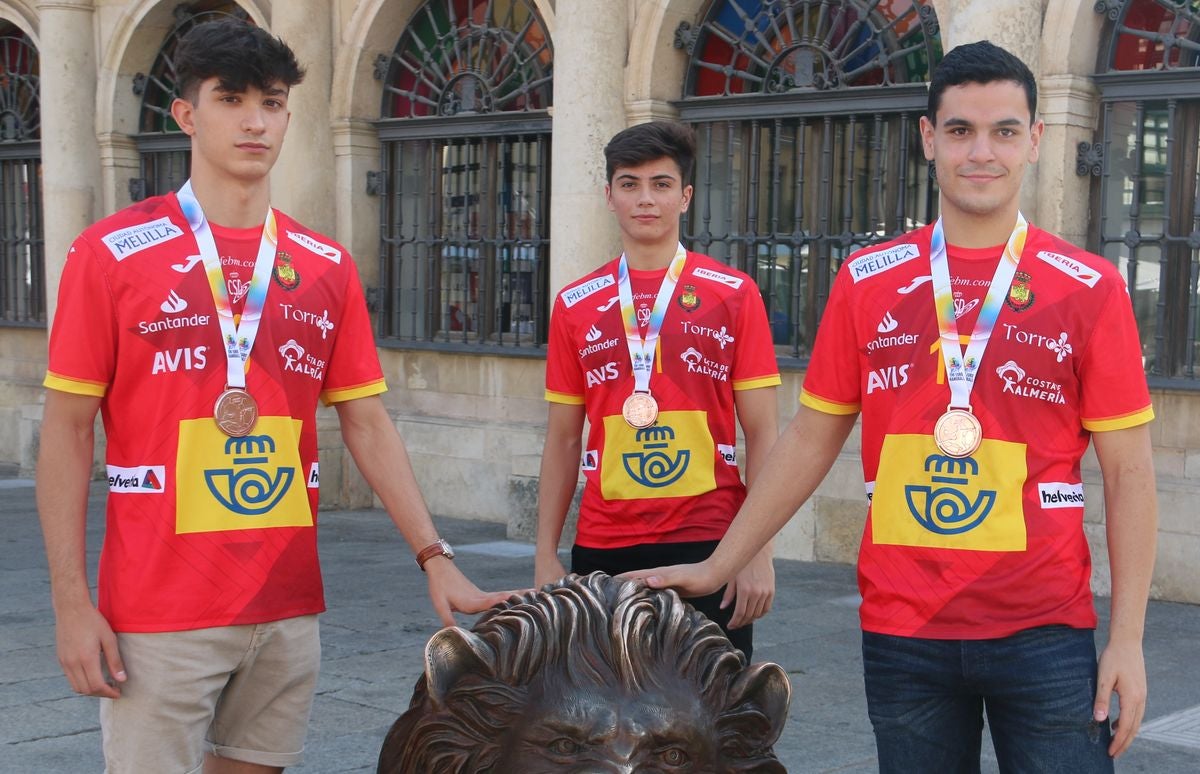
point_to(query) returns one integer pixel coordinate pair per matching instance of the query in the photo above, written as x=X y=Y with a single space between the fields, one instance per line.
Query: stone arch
x=23 y=15
x=1071 y=38
x=131 y=48
x=373 y=30
x=656 y=69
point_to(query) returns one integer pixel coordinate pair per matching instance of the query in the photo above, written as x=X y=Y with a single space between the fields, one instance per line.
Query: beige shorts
x=239 y=692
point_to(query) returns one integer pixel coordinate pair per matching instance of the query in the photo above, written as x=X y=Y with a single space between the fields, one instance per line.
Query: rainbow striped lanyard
x=641 y=350
x=237 y=335
x=962 y=367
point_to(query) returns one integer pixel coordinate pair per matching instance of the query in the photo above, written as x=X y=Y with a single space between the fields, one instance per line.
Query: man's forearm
x=381 y=457
x=791 y=472
x=63 y=472
x=557 y=481
x=1131 y=518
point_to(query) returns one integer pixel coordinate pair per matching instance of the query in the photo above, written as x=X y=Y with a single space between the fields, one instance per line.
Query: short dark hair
x=235 y=52
x=980 y=62
x=647 y=142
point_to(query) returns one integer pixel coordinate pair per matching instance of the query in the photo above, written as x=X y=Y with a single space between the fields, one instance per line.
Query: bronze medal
x=958 y=433
x=640 y=410
x=235 y=412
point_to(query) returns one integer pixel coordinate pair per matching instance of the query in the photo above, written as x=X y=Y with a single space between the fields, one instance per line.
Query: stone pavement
x=380 y=618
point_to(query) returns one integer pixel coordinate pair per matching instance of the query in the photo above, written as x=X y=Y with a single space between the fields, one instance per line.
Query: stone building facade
x=455 y=147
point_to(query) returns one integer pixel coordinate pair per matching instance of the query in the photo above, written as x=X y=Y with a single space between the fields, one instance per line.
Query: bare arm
x=753 y=587
x=380 y=454
x=556 y=486
x=1131 y=515
x=795 y=466
x=63 y=470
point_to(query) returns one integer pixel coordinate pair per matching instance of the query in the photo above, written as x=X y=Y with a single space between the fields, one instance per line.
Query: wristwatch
x=438 y=548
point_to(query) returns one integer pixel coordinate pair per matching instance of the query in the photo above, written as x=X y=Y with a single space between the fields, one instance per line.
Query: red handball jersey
x=203 y=529
x=990 y=544
x=677 y=480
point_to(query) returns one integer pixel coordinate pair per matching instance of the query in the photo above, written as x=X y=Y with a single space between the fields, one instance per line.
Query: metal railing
x=22 y=262
x=465 y=239
x=786 y=198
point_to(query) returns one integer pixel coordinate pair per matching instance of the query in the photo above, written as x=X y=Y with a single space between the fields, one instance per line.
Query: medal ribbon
x=641 y=350
x=236 y=335
x=962 y=367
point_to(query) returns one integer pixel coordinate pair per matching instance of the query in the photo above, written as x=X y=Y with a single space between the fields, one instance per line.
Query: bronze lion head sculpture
x=590 y=674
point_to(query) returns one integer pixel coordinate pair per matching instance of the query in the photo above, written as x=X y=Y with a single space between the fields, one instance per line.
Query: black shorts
x=615 y=561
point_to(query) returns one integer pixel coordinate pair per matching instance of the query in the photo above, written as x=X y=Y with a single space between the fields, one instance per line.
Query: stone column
x=590 y=45
x=70 y=152
x=1068 y=104
x=356 y=151
x=1015 y=25
x=119 y=161
x=302 y=182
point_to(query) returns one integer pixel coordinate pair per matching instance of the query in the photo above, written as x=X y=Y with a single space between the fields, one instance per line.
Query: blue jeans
x=926 y=700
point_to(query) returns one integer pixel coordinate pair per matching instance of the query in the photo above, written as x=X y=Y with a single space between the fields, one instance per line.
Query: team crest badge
x=285 y=273
x=1020 y=297
x=688 y=298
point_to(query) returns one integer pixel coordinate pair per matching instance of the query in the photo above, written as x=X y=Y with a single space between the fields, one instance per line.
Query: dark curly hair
x=236 y=53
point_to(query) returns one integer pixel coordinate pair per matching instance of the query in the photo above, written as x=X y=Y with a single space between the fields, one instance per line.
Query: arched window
x=807 y=115
x=1147 y=173
x=166 y=151
x=22 y=264
x=465 y=180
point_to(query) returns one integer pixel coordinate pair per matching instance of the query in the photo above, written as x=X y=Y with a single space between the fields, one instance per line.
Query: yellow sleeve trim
x=762 y=381
x=827 y=406
x=563 y=397
x=1139 y=417
x=329 y=397
x=74 y=386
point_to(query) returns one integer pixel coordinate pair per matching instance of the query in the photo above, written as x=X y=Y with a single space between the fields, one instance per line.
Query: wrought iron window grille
x=22 y=257
x=1145 y=165
x=806 y=114
x=464 y=179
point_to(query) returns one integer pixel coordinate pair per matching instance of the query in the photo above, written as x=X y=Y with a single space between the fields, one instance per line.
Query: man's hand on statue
x=547 y=569
x=452 y=592
x=752 y=590
x=690 y=580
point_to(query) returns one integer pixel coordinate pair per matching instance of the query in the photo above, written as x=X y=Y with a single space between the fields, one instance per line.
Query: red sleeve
x=754 y=362
x=354 y=370
x=833 y=383
x=83 y=338
x=1111 y=375
x=564 y=378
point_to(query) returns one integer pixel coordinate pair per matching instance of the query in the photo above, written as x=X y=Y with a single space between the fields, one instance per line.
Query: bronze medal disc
x=235 y=412
x=958 y=433
x=640 y=410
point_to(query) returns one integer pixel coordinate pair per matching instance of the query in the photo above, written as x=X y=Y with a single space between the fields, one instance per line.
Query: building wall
x=474 y=424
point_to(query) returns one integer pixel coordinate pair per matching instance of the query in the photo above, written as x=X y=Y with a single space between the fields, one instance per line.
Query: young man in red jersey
x=1006 y=351
x=661 y=350
x=205 y=326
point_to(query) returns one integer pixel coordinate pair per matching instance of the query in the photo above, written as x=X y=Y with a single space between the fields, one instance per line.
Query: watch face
x=446 y=549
